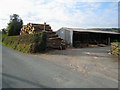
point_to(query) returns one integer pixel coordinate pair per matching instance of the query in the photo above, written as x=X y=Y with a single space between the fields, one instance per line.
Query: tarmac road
x=21 y=70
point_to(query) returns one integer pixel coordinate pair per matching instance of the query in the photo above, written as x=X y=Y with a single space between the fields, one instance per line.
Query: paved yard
x=90 y=61
x=71 y=68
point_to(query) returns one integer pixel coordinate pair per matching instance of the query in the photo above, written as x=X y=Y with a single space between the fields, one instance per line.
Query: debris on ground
x=102 y=45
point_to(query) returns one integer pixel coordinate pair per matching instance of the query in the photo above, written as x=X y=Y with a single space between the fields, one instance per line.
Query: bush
x=115 y=48
x=39 y=42
x=3 y=31
x=32 y=43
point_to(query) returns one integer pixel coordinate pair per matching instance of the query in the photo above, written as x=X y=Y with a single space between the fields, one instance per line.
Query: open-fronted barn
x=84 y=37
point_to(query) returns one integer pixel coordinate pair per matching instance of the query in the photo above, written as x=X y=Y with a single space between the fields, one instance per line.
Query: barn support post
x=71 y=38
x=99 y=39
x=108 y=40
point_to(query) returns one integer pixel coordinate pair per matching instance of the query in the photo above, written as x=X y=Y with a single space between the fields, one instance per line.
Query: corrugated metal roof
x=87 y=30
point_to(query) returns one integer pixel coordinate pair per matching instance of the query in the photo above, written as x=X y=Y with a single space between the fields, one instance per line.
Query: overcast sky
x=62 y=13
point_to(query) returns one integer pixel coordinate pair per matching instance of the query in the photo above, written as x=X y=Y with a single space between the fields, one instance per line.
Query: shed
x=74 y=36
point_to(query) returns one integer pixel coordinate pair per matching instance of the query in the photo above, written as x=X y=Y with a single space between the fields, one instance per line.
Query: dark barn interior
x=83 y=39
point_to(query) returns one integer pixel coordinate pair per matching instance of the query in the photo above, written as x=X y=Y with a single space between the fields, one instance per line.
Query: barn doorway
x=80 y=39
x=84 y=39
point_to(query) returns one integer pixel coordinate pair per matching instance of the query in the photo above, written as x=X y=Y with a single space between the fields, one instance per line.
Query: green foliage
x=115 y=49
x=15 y=25
x=32 y=43
x=116 y=43
x=39 y=42
x=2 y=36
x=3 y=31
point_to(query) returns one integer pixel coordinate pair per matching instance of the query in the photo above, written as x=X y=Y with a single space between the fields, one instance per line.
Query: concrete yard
x=89 y=61
x=71 y=68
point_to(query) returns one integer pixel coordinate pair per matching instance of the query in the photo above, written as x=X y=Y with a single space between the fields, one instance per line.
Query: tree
x=3 y=31
x=15 y=25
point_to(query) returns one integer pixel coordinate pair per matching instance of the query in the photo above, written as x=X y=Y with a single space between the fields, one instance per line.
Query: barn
x=84 y=37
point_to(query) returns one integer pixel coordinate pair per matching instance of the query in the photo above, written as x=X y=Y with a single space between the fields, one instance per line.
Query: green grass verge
x=116 y=43
x=32 y=43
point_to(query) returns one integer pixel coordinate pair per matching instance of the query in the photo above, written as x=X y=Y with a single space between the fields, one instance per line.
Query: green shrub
x=115 y=48
x=2 y=36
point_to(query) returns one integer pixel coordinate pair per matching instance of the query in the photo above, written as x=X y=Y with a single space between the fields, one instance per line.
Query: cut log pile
x=34 y=28
x=53 y=41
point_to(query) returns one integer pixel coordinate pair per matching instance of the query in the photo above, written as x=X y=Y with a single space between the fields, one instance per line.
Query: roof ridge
x=88 y=30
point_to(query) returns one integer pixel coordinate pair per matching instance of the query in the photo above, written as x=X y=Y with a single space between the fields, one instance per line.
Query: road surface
x=21 y=70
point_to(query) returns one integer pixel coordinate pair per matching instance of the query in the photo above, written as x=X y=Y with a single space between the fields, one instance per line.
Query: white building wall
x=71 y=38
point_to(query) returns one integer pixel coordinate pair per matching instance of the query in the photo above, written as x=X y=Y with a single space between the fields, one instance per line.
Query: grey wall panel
x=65 y=35
x=61 y=33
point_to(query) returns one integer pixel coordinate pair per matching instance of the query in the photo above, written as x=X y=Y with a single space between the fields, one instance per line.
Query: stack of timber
x=31 y=28
x=53 y=41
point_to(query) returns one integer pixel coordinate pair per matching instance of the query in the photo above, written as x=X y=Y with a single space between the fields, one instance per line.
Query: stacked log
x=34 y=28
x=53 y=41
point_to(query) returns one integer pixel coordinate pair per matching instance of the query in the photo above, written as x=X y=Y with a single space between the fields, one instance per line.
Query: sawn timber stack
x=53 y=41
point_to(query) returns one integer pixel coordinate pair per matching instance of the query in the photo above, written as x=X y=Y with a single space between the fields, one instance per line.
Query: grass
x=116 y=43
x=27 y=44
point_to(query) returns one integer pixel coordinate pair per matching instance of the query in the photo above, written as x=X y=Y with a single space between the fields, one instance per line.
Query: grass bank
x=31 y=43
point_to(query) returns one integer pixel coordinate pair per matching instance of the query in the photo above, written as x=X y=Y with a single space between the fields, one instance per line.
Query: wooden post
x=99 y=39
x=44 y=26
x=108 y=40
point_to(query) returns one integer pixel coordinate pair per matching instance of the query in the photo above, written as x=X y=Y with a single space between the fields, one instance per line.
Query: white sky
x=60 y=13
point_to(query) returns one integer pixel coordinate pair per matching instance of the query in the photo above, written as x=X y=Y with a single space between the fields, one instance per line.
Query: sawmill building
x=84 y=37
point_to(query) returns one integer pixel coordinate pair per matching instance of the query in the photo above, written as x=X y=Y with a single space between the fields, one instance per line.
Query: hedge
x=115 y=48
x=31 y=43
